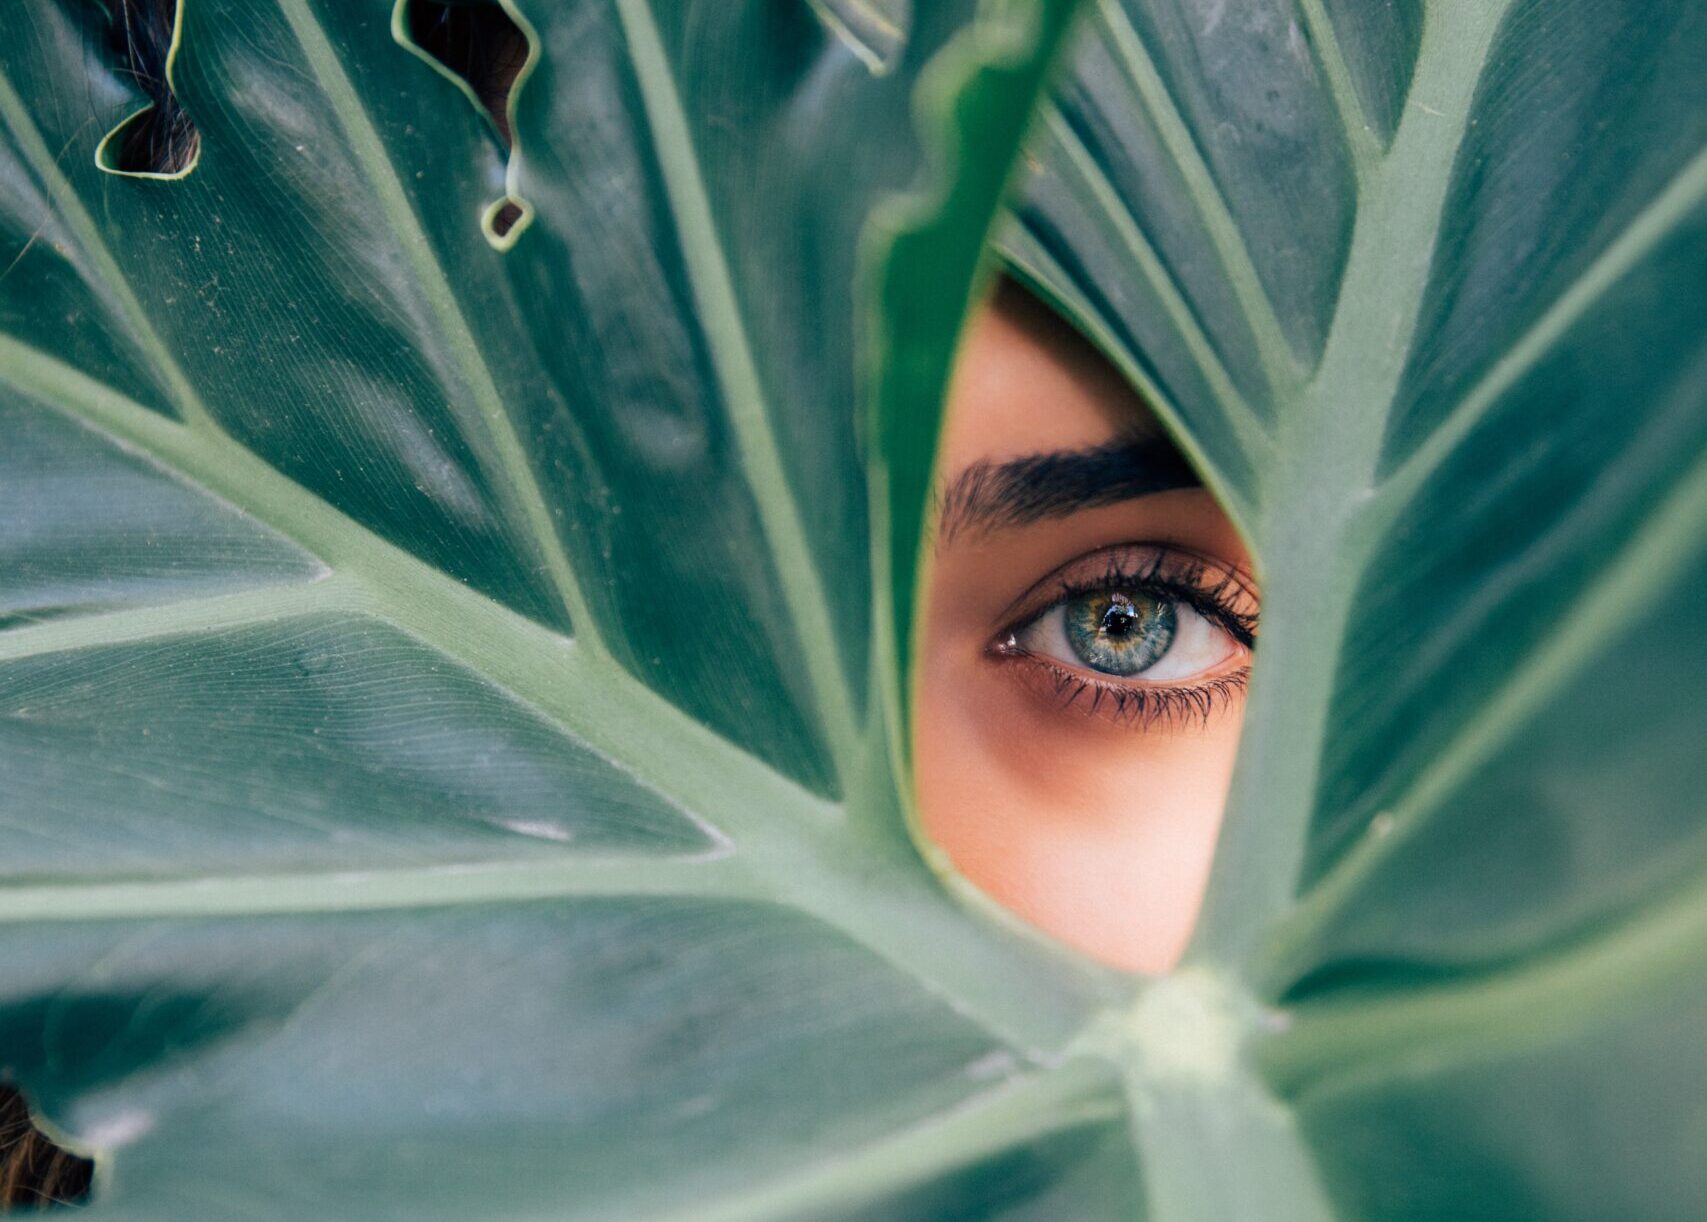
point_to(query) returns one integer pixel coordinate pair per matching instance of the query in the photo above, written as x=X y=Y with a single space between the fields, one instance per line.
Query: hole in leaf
x=486 y=51
x=480 y=43
x=505 y=216
x=34 y=1172
x=159 y=141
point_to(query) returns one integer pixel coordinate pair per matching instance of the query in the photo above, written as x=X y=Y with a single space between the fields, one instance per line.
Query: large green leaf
x=450 y=680
x=1422 y=283
x=438 y=757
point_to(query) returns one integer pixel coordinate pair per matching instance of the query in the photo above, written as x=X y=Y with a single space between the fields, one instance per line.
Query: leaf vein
x=1275 y=354
x=1655 y=222
x=743 y=394
x=492 y=424
x=1247 y=426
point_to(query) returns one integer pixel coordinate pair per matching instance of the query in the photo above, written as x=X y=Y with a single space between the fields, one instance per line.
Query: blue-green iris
x=1119 y=634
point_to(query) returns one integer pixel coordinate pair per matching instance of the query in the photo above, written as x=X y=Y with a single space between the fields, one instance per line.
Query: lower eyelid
x=1130 y=702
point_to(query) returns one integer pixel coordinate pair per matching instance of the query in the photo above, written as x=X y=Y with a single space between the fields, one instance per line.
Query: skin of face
x=1098 y=829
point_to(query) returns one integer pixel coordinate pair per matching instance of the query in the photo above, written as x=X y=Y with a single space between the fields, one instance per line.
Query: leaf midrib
x=1316 y=534
x=1647 y=563
x=799 y=859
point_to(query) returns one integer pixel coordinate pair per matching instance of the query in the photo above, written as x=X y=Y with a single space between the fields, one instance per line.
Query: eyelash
x=1173 y=575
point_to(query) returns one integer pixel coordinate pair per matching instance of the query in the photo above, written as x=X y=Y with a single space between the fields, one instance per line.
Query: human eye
x=1136 y=633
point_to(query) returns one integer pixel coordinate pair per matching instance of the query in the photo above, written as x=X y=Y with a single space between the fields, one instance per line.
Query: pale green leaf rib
x=132 y=624
x=1214 y=1144
x=1247 y=427
x=1037 y=268
x=1360 y=135
x=580 y=691
x=1641 y=573
x=713 y=875
x=1514 y=1006
x=88 y=234
x=1656 y=221
x=1273 y=352
x=1020 y=1110
x=743 y=393
x=1222 y=1151
x=1391 y=258
x=494 y=432
x=1328 y=531
x=864 y=29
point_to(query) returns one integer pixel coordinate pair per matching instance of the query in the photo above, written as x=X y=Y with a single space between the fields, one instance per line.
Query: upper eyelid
x=1055 y=586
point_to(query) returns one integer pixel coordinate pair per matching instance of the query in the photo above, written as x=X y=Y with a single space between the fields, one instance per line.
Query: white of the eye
x=1047 y=635
x=1198 y=645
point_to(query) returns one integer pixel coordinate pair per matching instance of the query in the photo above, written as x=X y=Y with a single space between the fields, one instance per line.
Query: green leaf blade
x=367 y=850
x=86 y=527
x=1558 y=167
x=1480 y=525
x=731 y=1043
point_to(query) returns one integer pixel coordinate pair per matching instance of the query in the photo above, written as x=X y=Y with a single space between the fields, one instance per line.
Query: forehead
x=1026 y=383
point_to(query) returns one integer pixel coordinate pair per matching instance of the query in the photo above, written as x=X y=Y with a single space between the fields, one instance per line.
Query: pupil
x=1119 y=619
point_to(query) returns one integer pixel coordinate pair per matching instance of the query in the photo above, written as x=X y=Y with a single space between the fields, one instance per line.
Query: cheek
x=1100 y=834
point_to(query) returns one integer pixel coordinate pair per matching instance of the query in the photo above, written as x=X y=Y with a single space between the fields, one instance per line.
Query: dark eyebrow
x=992 y=495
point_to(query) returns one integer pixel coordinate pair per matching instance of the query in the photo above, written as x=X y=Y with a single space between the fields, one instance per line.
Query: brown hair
x=34 y=1171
